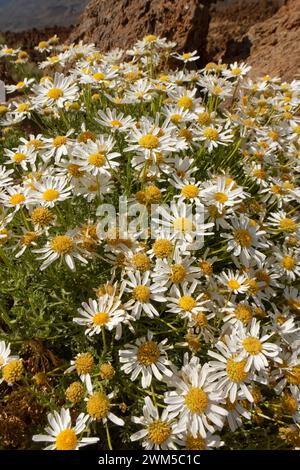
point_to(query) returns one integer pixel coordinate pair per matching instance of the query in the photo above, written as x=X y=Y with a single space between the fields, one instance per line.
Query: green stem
x=108 y=437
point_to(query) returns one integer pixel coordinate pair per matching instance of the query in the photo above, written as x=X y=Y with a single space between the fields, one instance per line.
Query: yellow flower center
x=187 y=303
x=141 y=293
x=86 y=136
x=75 y=392
x=148 y=353
x=3 y=109
x=19 y=157
x=186 y=55
x=50 y=194
x=162 y=248
x=196 y=400
x=149 y=141
x=194 y=443
x=55 y=93
x=28 y=238
x=159 y=431
x=23 y=107
x=183 y=225
x=116 y=123
x=62 y=244
x=98 y=405
x=43 y=45
x=141 y=262
x=185 y=102
x=152 y=195
x=221 y=197
x=236 y=370
x=16 y=199
x=96 y=159
x=190 y=191
x=236 y=71
x=41 y=216
x=233 y=284
x=66 y=440
x=200 y=319
x=243 y=237
x=175 y=118
x=84 y=363
x=100 y=318
x=288 y=262
x=75 y=170
x=12 y=372
x=98 y=76
x=289 y=404
x=59 y=141
x=150 y=38
x=252 y=345
x=288 y=225
x=186 y=134
x=293 y=375
x=210 y=133
x=243 y=313
x=178 y=273
x=206 y=267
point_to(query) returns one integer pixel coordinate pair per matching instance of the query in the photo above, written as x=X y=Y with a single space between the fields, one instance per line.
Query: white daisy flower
x=105 y=313
x=96 y=157
x=234 y=282
x=229 y=375
x=62 y=435
x=146 y=357
x=194 y=402
x=50 y=190
x=55 y=92
x=98 y=407
x=245 y=240
x=255 y=349
x=158 y=432
x=62 y=247
x=143 y=293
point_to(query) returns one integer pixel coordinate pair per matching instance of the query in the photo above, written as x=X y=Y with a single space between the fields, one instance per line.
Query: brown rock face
x=264 y=33
x=111 y=23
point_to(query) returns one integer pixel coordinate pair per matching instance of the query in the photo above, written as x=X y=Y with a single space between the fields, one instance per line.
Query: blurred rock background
x=264 y=33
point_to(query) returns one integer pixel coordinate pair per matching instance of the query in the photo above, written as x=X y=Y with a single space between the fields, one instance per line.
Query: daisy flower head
x=148 y=358
x=194 y=402
x=236 y=70
x=222 y=192
x=210 y=442
x=158 y=431
x=234 y=282
x=143 y=293
x=185 y=224
x=213 y=136
x=96 y=157
x=55 y=92
x=256 y=349
x=229 y=375
x=63 y=247
x=245 y=240
x=83 y=364
x=177 y=270
x=186 y=57
x=114 y=121
x=186 y=302
x=51 y=190
x=61 y=435
x=105 y=313
x=99 y=405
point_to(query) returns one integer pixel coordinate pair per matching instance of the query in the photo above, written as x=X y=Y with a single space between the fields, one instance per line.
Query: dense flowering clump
x=180 y=331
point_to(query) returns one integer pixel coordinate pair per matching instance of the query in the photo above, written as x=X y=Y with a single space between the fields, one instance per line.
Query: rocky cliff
x=265 y=33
